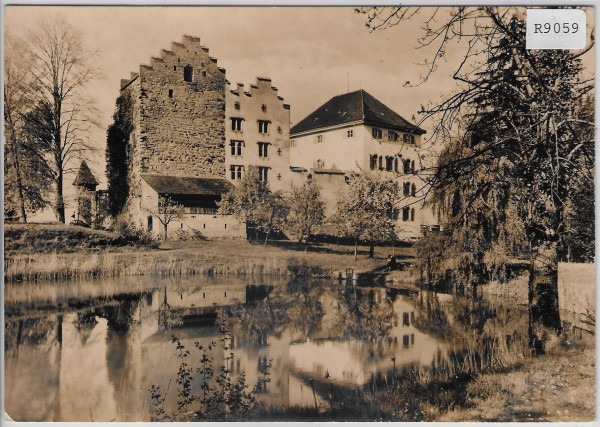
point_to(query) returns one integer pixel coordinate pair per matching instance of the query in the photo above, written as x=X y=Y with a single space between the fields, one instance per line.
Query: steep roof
x=352 y=107
x=85 y=177
x=184 y=185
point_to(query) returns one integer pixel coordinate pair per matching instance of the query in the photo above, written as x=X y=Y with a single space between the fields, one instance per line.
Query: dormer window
x=377 y=133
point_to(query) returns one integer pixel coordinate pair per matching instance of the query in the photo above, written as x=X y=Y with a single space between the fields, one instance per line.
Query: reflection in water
x=73 y=355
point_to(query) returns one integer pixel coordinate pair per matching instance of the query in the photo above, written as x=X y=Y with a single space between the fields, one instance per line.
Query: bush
x=129 y=233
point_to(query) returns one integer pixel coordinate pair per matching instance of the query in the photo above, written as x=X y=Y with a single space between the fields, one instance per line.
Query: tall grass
x=61 y=266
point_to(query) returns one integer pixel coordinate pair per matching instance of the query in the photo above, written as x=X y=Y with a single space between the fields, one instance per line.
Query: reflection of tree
x=255 y=321
x=84 y=324
x=361 y=317
x=298 y=307
x=307 y=311
x=432 y=318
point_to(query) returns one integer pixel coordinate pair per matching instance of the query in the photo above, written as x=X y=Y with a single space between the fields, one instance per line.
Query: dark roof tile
x=358 y=106
x=184 y=185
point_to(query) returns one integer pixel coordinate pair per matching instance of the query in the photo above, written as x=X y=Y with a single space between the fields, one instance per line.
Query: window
x=392 y=136
x=263 y=126
x=406 y=188
x=149 y=223
x=174 y=67
x=412 y=214
x=188 y=72
x=203 y=73
x=237 y=105
x=373 y=161
x=170 y=93
x=408 y=138
x=405 y=213
x=236 y=171
x=263 y=149
x=292 y=143
x=412 y=166
x=350 y=133
x=263 y=173
x=413 y=190
x=380 y=163
x=406 y=165
x=405 y=319
x=377 y=134
x=319 y=138
x=389 y=163
x=236 y=124
x=396 y=164
x=236 y=147
x=264 y=107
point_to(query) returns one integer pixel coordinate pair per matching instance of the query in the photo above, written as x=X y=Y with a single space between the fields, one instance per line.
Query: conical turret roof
x=85 y=177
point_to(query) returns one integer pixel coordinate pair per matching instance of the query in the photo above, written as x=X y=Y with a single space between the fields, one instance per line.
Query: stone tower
x=85 y=184
x=178 y=117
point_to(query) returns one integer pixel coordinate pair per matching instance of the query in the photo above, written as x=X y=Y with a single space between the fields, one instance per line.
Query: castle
x=190 y=135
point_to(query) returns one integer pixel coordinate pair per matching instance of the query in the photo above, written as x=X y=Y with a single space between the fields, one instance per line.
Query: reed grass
x=62 y=266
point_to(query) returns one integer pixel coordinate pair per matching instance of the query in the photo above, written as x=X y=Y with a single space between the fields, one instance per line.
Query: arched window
x=412 y=214
x=380 y=163
x=412 y=166
x=413 y=190
x=396 y=164
x=149 y=223
x=188 y=72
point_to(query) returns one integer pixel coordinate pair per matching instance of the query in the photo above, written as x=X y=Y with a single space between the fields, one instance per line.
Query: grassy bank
x=64 y=252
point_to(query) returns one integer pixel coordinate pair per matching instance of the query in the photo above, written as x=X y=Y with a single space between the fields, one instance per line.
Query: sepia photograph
x=307 y=214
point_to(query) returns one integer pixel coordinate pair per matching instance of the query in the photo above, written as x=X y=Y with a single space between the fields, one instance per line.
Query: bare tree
x=61 y=68
x=167 y=211
x=521 y=145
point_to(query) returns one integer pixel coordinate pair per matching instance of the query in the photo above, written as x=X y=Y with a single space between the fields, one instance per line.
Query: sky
x=310 y=53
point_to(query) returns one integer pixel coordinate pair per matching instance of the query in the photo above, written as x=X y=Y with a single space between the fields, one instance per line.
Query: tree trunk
x=371 y=249
x=165 y=227
x=267 y=238
x=18 y=175
x=60 y=201
x=544 y=314
x=355 y=249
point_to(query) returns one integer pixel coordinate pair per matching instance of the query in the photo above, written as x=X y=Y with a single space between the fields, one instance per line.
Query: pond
x=90 y=351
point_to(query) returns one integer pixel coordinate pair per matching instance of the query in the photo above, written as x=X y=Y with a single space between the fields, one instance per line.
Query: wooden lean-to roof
x=358 y=106
x=183 y=185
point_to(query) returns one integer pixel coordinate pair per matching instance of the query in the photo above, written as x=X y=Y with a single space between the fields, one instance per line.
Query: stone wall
x=178 y=115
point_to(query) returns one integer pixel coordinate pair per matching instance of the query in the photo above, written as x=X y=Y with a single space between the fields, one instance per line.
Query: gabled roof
x=85 y=177
x=358 y=106
x=184 y=185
